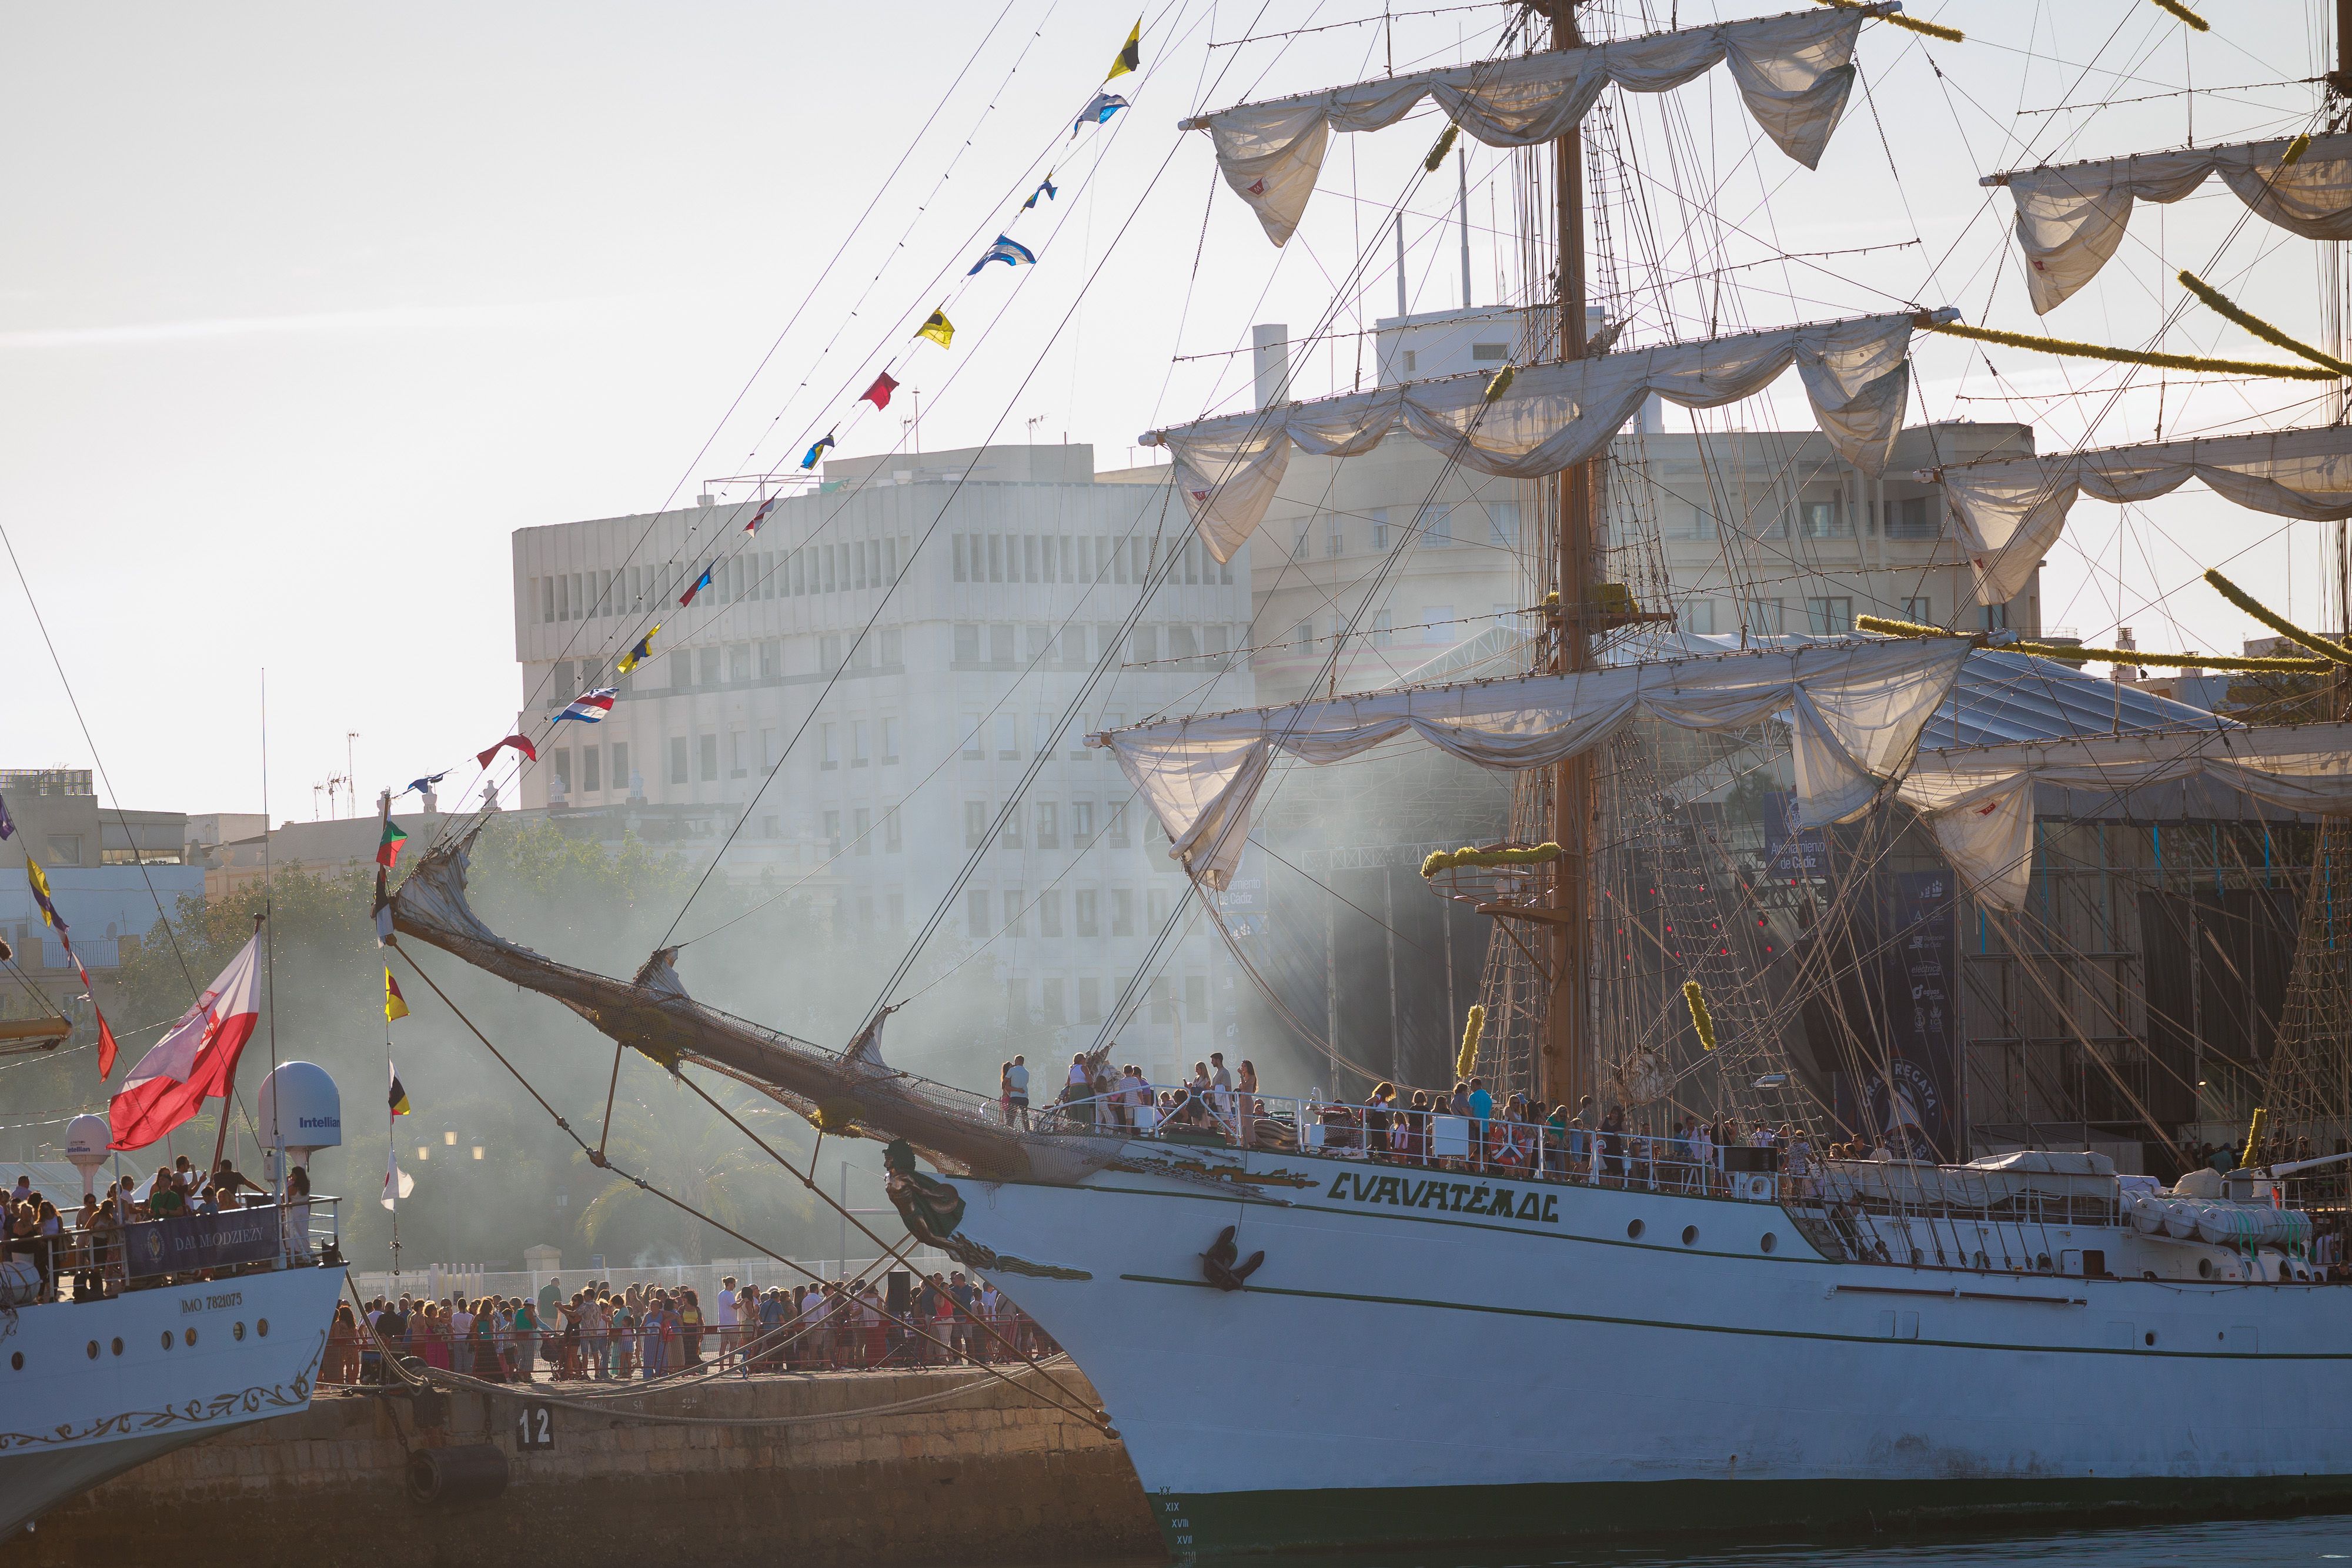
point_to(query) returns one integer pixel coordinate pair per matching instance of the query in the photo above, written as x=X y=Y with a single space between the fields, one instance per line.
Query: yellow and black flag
x=938 y=328
x=395 y=1005
x=399 y=1095
x=1130 y=54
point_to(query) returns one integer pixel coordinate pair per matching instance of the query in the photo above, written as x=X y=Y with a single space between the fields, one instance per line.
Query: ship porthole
x=16 y=1361
x=1633 y=1231
x=2204 y=1268
x=261 y=1327
x=2149 y=1338
x=1769 y=1242
x=118 y=1344
x=167 y=1339
x=93 y=1349
x=238 y=1331
x=192 y=1337
x=1690 y=1235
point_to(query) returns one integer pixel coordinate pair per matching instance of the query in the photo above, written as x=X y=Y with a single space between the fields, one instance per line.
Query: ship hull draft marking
x=1731 y=1387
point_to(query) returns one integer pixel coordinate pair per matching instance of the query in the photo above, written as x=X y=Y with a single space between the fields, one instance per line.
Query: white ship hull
x=70 y=1418
x=1398 y=1371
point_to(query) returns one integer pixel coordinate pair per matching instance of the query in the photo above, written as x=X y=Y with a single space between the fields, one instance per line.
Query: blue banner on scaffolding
x=1906 y=1102
x=198 y=1241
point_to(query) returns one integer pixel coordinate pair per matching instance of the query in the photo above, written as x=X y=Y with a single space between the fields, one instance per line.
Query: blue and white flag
x=1045 y=190
x=1009 y=251
x=1098 y=112
x=808 y=458
x=590 y=708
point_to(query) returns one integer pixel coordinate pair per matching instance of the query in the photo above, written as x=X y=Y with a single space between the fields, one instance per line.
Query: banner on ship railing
x=196 y=1241
x=1906 y=1103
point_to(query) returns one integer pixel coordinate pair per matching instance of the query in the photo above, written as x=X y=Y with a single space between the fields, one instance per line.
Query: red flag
x=879 y=394
x=519 y=742
x=197 y=1060
x=105 y=1046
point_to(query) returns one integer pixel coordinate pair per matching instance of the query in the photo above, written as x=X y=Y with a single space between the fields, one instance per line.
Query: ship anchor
x=1217 y=1264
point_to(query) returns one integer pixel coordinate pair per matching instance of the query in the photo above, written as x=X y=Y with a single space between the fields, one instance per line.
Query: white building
x=994 y=579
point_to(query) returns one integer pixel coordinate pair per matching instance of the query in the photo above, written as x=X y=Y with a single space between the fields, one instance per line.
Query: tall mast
x=1564 y=1072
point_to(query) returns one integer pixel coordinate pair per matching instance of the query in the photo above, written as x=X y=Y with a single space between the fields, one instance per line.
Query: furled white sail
x=1856 y=375
x=1794 y=73
x=1857 y=709
x=2071 y=217
x=2007 y=512
x=1979 y=799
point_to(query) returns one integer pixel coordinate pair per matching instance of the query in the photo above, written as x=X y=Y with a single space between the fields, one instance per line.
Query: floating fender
x=1218 y=1264
x=468 y=1474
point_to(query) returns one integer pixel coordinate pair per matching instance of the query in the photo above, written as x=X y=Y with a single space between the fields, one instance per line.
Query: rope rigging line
x=643 y=1184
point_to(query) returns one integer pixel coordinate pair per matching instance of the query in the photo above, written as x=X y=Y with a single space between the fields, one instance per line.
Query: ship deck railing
x=88 y=1263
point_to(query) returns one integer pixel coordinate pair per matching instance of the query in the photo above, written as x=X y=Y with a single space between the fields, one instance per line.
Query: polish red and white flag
x=195 y=1061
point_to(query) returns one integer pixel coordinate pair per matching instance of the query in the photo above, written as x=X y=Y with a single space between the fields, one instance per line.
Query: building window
x=1183 y=644
x=829 y=749
x=858 y=754
x=1302 y=637
x=828 y=655
x=894 y=651
x=975 y=914
x=1122 y=912
x=1698 y=616
x=1379 y=527
x=1909 y=517
x=833 y=834
x=996 y=558
x=1503 y=524
x=1156 y=903
x=1331 y=544
x=739 y=759
x=739 y=662
x=1996 y=618
x=1000 y=644
x=862 y=823
x=546 y=601
x=677 y=760
x=620 y=775
x=889 y=741
x=1040 y=643
x=1829 y=617
x=1082 y=823
x=1089 y=999
x=1085 y=912
x=975 y=749
x=1823 y=520
x=891 y=841
x=1016 y=1003
x=1049 y=825
x=967 y=644
x=1384 y=628
x=1008 y=738
x=1015 y=913
x=1119 y=839
x=963 y=572
x=1053 y=1011
x=1049 y=912
x=1490 y=353
x=592 y=768
x=1762 y=617
x=769 y=757
x=708 y=745
x=1437 y=526
x=975 y=823
x=562 y=760
x=1919 y=611
x=681 y=670
x=772 y=660
x=710 y=666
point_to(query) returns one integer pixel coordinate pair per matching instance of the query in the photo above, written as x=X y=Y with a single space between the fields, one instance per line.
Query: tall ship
x=1693 y=1284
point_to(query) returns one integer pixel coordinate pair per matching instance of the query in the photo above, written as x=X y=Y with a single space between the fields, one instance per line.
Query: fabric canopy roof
x=1979 y=799
x=2071 y=218
x=1857 y=707
x=2007 y=512
x=1856 y=375
x=1793 y=71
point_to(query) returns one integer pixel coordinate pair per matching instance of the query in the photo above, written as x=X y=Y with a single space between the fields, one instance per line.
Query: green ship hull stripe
x=1227 y=1522
x=1257 y=1290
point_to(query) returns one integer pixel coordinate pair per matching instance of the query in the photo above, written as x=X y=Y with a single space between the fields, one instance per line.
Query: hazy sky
x=308 y=307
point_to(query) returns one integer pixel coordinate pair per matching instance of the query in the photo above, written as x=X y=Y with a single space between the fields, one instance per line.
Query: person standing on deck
x=1017 y=1087
x=1482 y=1111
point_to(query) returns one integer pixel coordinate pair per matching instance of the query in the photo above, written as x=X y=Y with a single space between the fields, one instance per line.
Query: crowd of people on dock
x=606 y=1334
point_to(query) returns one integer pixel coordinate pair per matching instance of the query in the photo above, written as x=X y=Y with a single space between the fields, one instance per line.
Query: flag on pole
x=1130 y=53
x=641 y=652
x=879 y=394
x=397 y=1182
x=938 y=328
x=399 y=1101
x=697 y=586
x=106 y=1046
x=40 y=883
x=1046 y=190
x=762 y=514
x=387 y=850
x=1009 y=251
x=590 y=708
x=519 y=742
x=395 y=1005
x=817 y=450
x=1098 y=112
x=193 y=1062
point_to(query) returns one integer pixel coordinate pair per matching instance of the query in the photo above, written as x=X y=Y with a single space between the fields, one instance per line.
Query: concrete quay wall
x=989 y=1475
